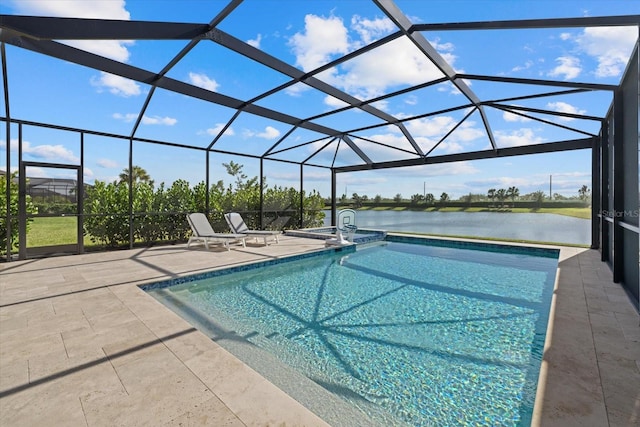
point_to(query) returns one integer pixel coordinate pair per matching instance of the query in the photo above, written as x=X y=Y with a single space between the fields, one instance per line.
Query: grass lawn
x=576 y=212
x=49 y=231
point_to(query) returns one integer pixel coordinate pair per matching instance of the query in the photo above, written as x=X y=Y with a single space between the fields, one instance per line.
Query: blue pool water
x=407 y=334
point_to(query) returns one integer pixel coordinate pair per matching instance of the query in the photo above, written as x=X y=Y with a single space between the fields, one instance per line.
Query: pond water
x=539 y=227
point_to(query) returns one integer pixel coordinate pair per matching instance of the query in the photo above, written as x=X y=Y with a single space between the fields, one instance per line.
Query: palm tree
x=584 y=192
x=429 y=198
x=501 y=194
x=490 y=195
x=513 y=193
x=138 y=175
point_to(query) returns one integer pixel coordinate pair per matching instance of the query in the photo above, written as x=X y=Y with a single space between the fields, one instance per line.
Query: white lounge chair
x=203 y=232
x=237 y=225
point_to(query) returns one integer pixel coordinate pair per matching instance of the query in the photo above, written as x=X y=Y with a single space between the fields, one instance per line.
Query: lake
x=540 y=227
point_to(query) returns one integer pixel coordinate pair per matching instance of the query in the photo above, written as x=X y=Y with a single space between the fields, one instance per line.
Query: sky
x=307 y=35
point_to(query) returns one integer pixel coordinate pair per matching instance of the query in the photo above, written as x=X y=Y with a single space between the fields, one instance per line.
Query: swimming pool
x=395 y=333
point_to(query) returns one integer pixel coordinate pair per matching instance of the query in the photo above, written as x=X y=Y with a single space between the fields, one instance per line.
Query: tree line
x=494 y=198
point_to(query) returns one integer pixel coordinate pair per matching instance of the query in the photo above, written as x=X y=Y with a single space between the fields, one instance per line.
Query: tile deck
x=81 y=344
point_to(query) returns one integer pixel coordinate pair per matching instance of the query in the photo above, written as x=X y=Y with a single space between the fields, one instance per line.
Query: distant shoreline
x=584 y=213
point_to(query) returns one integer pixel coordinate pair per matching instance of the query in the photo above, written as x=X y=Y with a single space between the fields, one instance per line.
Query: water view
x=540 y=227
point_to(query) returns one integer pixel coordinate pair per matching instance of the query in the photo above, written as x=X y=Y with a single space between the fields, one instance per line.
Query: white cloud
x=569 y=68
x=107 y=163
x=382 y=105
x=503 y=182
x=157 y=120
x=203 y=81
x=146 y=120
x=322 y=38
x=268 y=133
x=428 y=131
x=113 y=9
x=528 y=64
x=127 y=118
x=37 y=172
x=334 y=102
x=116 y=85
x=87 y=173
x=296 y=89
x=571 y=174
x=370 y=30
x=396 y=63
x=255 y=42
x=214 y=131
x=411 y=100
x=116 y=50
x=516 y=138
x=511 y=117
x=439 y=169
x=563 y=107
x=610 y=46
x=48 y=152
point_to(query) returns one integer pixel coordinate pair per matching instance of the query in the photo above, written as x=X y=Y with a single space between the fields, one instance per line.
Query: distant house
x=50 y=190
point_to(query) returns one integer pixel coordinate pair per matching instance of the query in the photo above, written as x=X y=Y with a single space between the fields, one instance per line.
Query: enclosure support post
x=80 y=197
x=207 y=208
x=130 y=193
x=5 y=84
x=22 y=201
x=261 y=221
x=333 y=197
x=301 y=196
x=604 y=191
x=618 y=188
x=595 y=193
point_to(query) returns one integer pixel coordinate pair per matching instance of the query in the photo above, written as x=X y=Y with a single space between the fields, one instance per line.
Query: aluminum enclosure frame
x=39 y=34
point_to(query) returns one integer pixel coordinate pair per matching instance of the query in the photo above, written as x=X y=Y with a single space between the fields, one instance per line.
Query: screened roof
x=349 y=107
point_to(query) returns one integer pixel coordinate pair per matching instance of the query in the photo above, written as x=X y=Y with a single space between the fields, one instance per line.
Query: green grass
x=584 y=213
x=50 y=231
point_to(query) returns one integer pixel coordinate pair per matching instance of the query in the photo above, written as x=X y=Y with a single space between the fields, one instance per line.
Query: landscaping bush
x=13 y=211
x=159 y=213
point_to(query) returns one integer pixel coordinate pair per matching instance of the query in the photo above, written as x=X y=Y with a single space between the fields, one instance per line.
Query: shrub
x=13 y=211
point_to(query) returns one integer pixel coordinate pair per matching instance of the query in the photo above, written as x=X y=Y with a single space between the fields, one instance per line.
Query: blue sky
x=308 y=35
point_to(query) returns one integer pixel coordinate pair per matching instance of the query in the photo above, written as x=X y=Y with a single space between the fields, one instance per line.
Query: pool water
x=408 y=334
